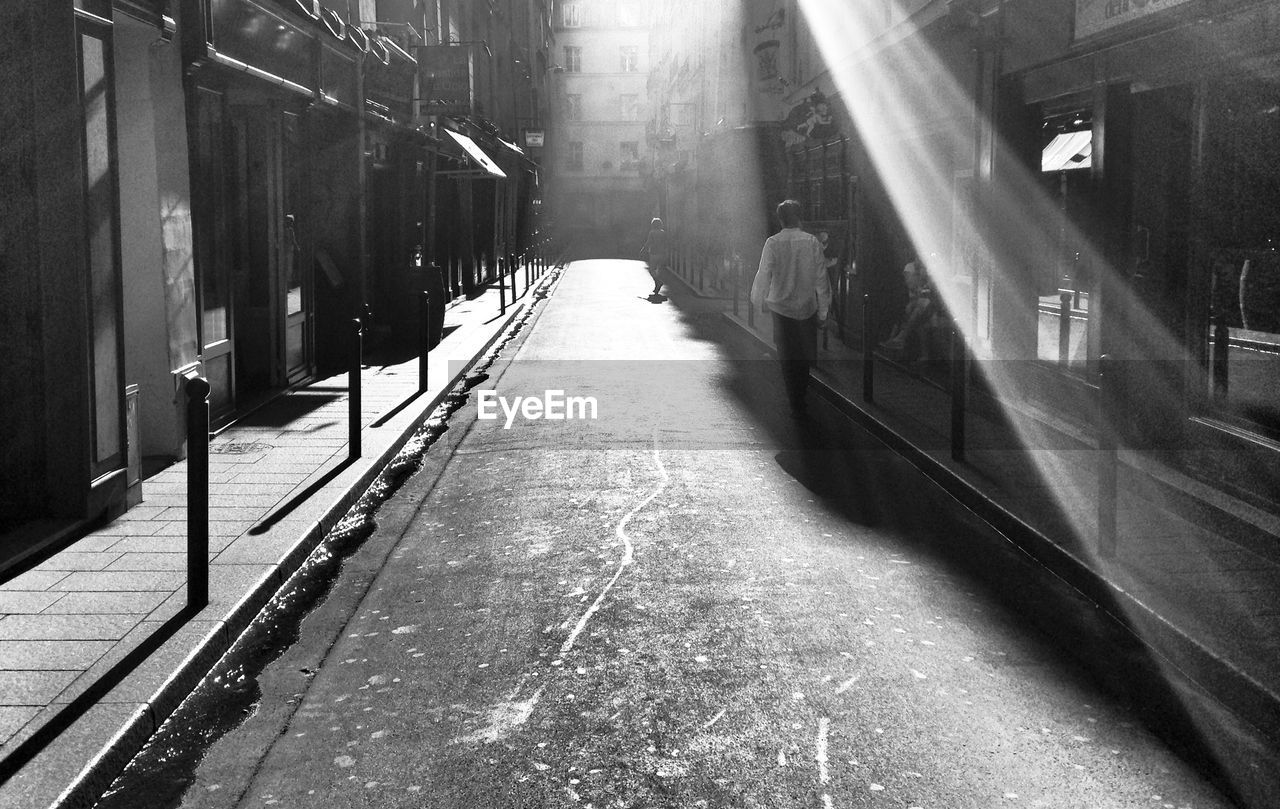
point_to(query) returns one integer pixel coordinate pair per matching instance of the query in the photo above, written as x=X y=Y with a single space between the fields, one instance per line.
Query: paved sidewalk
x=1196 y=573
x=280 y=479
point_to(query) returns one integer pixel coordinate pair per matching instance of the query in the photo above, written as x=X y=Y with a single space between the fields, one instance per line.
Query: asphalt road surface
x=685 y=601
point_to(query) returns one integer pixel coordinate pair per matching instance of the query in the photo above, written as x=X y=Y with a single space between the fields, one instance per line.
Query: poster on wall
x=767 y=28
x=1096 y=16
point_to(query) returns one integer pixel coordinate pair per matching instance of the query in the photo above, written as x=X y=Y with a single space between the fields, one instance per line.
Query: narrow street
x=686 y=601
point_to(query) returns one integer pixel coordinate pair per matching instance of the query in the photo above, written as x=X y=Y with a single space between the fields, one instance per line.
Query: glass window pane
x=213 y=275
x=1244 y=236
x=104 y=282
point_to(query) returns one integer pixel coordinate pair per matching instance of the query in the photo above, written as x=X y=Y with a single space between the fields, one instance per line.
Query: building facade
x=600 y=152
x=216 y=188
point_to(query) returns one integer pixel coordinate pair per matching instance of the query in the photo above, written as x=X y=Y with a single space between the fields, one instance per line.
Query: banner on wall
x=766 y=31
x=1096 y=16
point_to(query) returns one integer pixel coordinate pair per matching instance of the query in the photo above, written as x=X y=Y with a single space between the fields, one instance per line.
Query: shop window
x=1065 y=283
x=818 y=178
x=629 y=155
x=1243 y=224
x=102 y=240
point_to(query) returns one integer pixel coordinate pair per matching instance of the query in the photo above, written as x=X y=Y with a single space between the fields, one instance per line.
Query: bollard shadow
x=290 y=505
x=390 y=414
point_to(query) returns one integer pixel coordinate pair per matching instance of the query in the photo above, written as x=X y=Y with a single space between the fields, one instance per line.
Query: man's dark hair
x=789 y=213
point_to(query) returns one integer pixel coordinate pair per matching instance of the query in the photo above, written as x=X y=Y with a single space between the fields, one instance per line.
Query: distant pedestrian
x=792 y=282
x=656 y=252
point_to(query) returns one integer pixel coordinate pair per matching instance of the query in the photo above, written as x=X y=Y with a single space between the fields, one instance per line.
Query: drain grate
x=238 y=448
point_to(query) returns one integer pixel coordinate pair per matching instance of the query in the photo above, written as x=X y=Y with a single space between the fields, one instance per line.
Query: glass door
x=294 y=278
x=213 y=251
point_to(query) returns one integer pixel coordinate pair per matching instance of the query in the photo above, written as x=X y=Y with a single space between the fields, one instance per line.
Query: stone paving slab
x=34 y=688
x=51 y=655
x=115 y=588
x=94 y=603
x=66 y=627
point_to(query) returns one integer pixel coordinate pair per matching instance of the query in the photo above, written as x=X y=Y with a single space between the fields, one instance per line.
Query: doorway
x=272 y=296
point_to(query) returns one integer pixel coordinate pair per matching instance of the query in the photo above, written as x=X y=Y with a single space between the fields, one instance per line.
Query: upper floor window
x=571 y=15
x=573 y=160
x=628 y=152
x=573 y=58
x=573 y=107
x=630 y=58
x=629 y=107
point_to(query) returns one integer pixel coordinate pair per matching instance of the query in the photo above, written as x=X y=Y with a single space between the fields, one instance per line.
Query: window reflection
x=1243 y=230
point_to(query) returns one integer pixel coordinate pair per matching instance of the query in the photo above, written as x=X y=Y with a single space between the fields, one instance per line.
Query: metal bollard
x=353 y=390
x=1107 y=441
x=1064 y=328
x=424 y=306
x=502 y=288
x=197 y=390
x=736 y=289
x=868 y=351
x=1221 y=355
x=959 y=392
x=509 y=258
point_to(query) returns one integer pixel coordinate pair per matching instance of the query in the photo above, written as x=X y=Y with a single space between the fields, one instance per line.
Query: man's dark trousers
x=797 y=342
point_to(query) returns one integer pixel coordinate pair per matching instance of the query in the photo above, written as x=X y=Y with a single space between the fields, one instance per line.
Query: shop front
x=398 y=164
x=1158 y=140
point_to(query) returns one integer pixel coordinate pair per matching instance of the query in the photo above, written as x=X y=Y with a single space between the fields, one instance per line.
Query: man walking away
x=792 y=283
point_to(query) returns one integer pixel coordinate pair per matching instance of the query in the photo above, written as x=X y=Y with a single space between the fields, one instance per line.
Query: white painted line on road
x=714 y=719
x=821 y=752
x=847 y=684
x=628 y=553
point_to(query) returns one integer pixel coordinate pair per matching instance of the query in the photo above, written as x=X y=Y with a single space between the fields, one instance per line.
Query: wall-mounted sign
x=445 y=79
x=1096 y=16
x=534 y=138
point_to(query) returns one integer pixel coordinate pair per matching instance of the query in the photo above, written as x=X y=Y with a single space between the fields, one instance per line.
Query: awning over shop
x=477 y=155
x=1068 y=150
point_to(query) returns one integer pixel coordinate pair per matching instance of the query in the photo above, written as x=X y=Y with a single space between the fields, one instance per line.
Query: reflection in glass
x=104 y=285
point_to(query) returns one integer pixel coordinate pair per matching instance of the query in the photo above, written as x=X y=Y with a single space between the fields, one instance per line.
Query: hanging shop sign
x=1096 y=16
x=445 y=79
x=534 y=138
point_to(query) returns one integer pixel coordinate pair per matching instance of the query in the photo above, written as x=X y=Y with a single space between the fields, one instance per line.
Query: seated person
x=910 y=336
